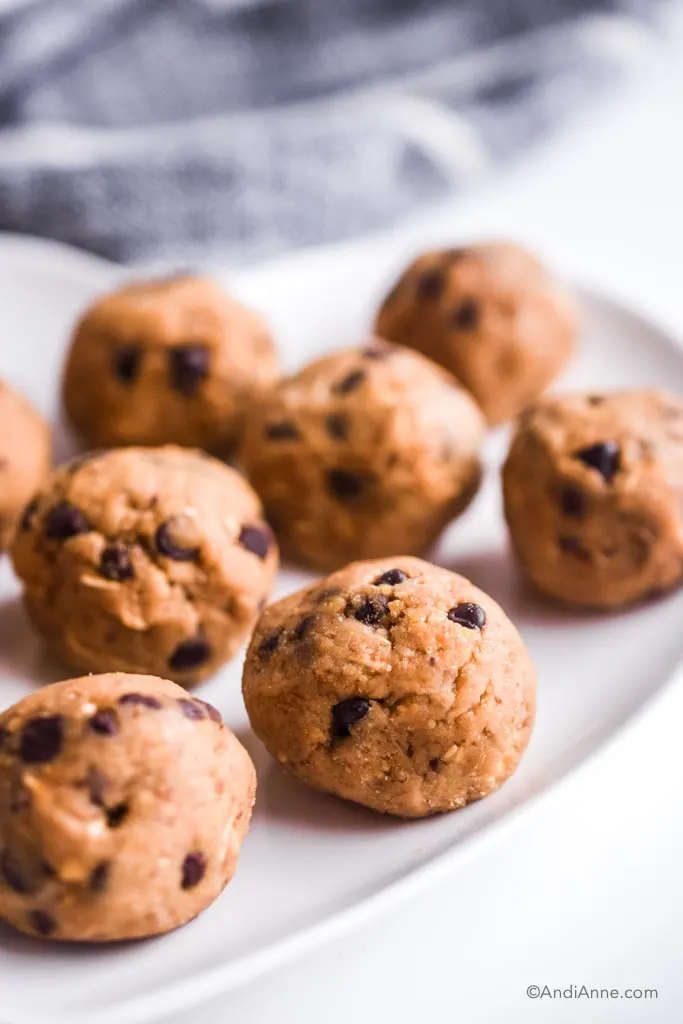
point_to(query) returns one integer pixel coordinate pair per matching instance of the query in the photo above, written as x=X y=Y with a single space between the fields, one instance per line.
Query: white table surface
x=589 y=890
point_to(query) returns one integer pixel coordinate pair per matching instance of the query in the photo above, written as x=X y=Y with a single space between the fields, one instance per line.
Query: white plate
x=313 y=866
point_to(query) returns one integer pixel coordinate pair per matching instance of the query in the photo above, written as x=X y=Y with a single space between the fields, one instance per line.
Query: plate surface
x=313 y=866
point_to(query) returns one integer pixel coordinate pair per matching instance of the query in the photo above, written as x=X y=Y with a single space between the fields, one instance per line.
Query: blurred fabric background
x=202 y=129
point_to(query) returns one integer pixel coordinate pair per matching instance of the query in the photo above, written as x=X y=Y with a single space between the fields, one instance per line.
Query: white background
x=590 y=889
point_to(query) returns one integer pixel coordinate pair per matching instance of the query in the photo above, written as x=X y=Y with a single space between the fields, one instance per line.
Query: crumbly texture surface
x=25 y=452
x=593 y=488
x=172 y=361
x=392 y=683
x=145 y=560
x=492 y=315
x=123 y=806
x=365 y=452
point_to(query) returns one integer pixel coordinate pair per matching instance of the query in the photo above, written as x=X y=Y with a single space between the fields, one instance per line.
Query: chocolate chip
x=345 y=485
x=127 y=362
x=96 y=782
x=573 y=546
x=349 y=383
x=104 y=722
x=466 y=316
x=41 y=739
x=573 y=502
x=270 y=643
x=190 y=654
x=595 y=399
x=391 y=577
x=284 y=431
x=377 y=352
x=115 y=563
x=213 y=713
x=14 y=876
x=42 y=923
x=435 y=764
x=603 y=456
x=255 y=539
x=117 y=815
x=430 y=285
x=64 y=521
x=28 y=515
x=4 y=735
x=191 y=709
x=337 y=426
x=166 y=545
x=470 y=615
x=188 y=367
x=347 y=712
x=304 y=627
x=372 y=610
x=194 y=867
x=143 y=700
x=99 y=876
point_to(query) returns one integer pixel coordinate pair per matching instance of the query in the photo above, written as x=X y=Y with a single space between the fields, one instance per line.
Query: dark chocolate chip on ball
x=104 y=722
x=193 y=870
x=285 y=430
x=143 y=700
x=41 y=739
x=346 y=485
x=189 y=366
x=430 y=285
x=42 y=923
x=28 y=515
x=117 y=815
x=303 y=628
x=190 y=654
x=4 y=736
x=96 y=782
x=337 y=426
x=349 y=383
x=64 y=520
x=127 y=360
x=99 y=876
x=168 y=545
x=391 y=577
x=603 y=456
x=115 y=563
x=255 y=539
x=575 y=547
x=372 y=610
x=15 y=875
x=377 y=351
x=468 y=614
x=191 y=709
x=270 y=643
x=347 y=712
x=213 y=713
x=466 y=316
x=573 y=502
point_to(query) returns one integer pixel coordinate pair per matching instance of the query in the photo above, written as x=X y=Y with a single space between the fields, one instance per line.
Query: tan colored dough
x=123 y=806
x=449 y=708
x=124 y=382
x=146 y=560
x=25 y=452
x=591 y=537
x=492 y=315
x=363 y=453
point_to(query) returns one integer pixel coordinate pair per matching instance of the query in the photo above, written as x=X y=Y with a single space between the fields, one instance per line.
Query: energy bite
x=392 y=683
x=363 y=453
x=167 y=361
x=25 y=452
x=145 y=560
x=593 y=486
x=492 y=315
x=123 y=806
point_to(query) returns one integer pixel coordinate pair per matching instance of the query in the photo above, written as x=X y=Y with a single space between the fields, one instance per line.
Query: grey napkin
x=194 y=129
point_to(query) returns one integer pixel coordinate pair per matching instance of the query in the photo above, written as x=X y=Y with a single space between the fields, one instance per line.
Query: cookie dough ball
x=123 y=806
x=394 y=684
x=145 y=560
x=492 y=315
x=593 y=487
x=364 y=453
x=25 y=450
x=168 y=361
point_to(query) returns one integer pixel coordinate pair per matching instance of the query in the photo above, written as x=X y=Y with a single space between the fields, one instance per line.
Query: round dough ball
x=123 y=806
x=593 y=486
x=25 y=452
x=173 y=361
x=492 y=315
x=145 y=560
x=364 y=453
x=392 y=683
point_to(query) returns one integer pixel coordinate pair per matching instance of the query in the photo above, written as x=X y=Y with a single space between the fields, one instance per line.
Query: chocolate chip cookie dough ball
x=492 y=315
x=123 y=806
x=392 y=683
x=25 y=450
x=364 y=453
x=167 y=361
x=145 y=560
x=593 y=491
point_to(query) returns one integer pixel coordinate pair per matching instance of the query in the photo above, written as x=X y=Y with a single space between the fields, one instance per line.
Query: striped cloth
x=233 y=129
